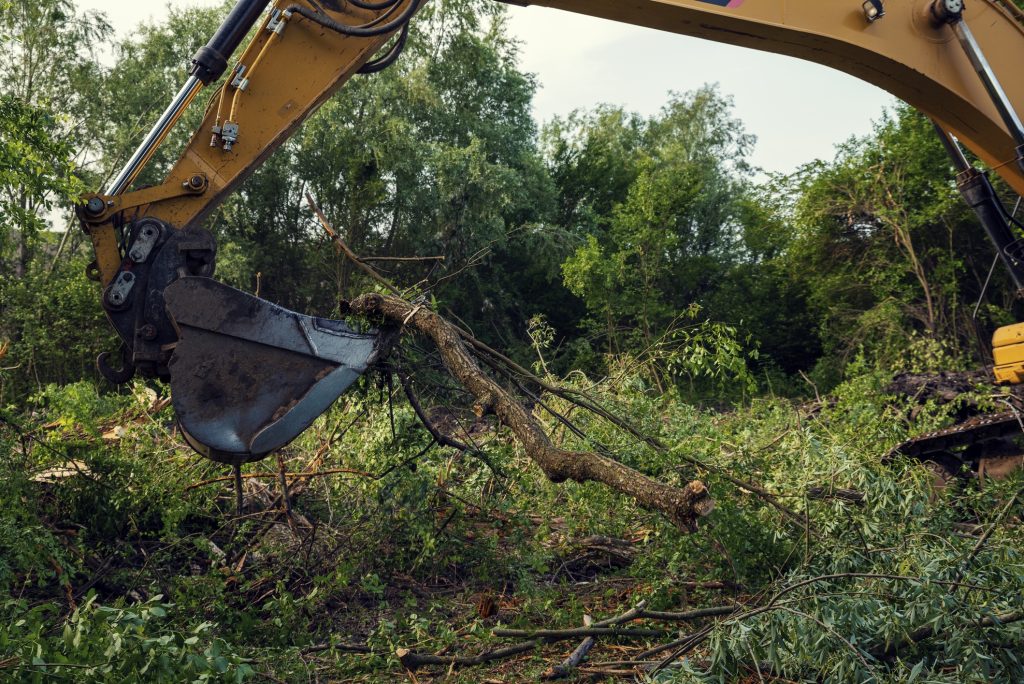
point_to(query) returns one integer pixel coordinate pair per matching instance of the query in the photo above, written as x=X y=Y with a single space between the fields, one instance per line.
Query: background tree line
x=603 y=236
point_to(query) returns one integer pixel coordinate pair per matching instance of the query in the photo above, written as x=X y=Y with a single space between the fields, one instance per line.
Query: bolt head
x=947 y=11
x=95 y=206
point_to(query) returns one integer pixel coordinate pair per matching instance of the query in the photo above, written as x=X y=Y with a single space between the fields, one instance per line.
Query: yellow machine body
x=1008 y=353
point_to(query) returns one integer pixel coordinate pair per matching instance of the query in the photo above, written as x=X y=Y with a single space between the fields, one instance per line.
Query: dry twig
x=413 y=661
x=553 y=635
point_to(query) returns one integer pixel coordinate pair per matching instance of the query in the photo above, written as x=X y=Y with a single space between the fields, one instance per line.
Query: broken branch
x=384 y=258
x=844 y=495
x=576 y=397
x=413 y=661
x=438 y=436
x=683 y=506
x=890 y=651
x=345 y=248
x=565 y=668
x=552 y=635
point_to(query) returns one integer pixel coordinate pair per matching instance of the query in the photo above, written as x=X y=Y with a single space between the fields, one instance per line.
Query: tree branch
x=550 y=635
x=683 y=506
x=385 y=258
x=413 y=661
x=565 y=668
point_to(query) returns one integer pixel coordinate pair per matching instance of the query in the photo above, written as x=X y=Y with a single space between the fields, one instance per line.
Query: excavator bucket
x=247 y=376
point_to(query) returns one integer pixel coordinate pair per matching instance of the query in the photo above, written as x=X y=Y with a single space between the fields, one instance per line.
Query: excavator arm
x=292 y=65
x=248 y=376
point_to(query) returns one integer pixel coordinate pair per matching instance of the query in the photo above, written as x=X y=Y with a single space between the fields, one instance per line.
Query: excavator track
x=965 y=440
x=970 y=432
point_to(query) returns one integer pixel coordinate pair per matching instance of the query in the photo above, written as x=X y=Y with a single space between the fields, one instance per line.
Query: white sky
x=799 y=111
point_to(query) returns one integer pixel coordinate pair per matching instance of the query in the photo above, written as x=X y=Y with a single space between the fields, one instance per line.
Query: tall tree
x=48 y=58
x=892 y=253
x=593 y=158
x=48 y=109
x=674 y=234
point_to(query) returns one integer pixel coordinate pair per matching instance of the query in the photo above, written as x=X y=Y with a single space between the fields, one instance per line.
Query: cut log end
x=700 y=505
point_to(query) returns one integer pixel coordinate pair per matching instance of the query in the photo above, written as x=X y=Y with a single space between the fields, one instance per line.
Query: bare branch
x=345 y=248
x=565 y=668
x=413 y=661
x=418 y=258
x=550 y=635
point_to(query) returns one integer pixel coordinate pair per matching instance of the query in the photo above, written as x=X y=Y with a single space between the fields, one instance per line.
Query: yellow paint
x=290 y=76
x=902 y=53
x=108 y=258
x=1008 y=353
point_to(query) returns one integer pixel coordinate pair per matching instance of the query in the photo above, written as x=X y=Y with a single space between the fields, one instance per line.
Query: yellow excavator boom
x=291 y=68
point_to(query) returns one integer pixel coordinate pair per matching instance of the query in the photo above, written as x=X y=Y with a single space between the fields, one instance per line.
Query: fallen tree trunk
x=684 y=506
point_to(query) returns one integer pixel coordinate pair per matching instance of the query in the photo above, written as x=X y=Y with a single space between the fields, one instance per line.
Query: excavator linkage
x=248 y=376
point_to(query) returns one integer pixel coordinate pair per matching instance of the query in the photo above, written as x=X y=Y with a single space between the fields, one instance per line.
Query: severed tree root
x=684 y=506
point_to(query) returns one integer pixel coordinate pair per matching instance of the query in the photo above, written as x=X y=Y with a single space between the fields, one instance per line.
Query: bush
x=134 y=643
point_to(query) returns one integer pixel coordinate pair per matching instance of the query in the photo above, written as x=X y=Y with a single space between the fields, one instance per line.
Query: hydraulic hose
x=390 y=58
x=977 y=191
x=374 y=5
x=358 y=31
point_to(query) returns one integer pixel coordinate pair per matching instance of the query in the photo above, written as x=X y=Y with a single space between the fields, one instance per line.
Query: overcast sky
x=798 y=111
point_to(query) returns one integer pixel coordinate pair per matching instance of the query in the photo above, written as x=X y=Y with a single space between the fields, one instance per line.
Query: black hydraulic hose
x=384 y=16
x=1010 y=218
x=977 y=191
x=979 y=194
x=390 y=58
x=211 y=60
x=374 y=5
x=358 y=31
